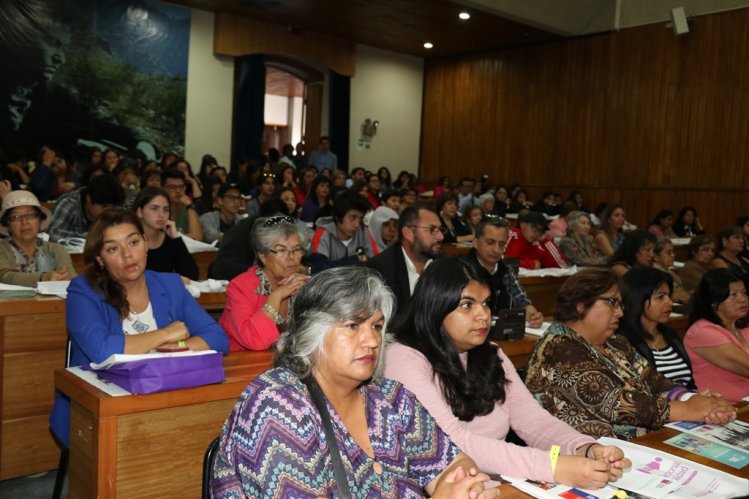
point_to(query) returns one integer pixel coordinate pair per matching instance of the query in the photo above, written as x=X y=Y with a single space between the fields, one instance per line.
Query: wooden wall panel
x=639 y=116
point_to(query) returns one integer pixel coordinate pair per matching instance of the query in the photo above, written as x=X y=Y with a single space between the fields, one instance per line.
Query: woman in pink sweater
x=473 y=391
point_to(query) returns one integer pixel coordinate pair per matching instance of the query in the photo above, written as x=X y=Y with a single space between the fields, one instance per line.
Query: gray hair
x=267 y=230
x=573 y=219
x=328 y=298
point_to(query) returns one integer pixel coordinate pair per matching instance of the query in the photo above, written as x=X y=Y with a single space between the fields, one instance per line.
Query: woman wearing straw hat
x=25 y=259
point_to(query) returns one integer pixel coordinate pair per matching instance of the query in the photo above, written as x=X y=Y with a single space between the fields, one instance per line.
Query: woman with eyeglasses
x=25 y=259
x=594 y=380
x=717 y=340
x=577 y=246
x=257 y=301
x=181 y=209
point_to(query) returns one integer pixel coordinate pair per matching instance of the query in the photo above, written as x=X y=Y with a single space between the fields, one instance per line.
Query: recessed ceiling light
x=464 y=16
x=428 y=45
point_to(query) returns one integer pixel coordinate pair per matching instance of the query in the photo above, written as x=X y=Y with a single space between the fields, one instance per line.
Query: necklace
x=138 y=325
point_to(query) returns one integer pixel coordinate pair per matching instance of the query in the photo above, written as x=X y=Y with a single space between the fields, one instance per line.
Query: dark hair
x=604 y=218
x=146 y=195
x=567 y=208
x=390 y=193
x=698 y=241
x=742 y=220
x=443 y=199
x=409 y=216
x=172 y=173
x=726 y=232
x=713 y=290
x=472 y=390
x=660 y=216
x=320 y=179
x=104 y=189
x=492 y=221
x=347 y=201
x=97 y=275
x=638 y=285
x=627 y=251
x=582 y=288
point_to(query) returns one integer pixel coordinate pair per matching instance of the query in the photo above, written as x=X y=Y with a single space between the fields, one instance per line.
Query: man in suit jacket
x=420 y=236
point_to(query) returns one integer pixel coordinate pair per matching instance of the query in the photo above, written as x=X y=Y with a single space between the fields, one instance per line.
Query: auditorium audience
x=266 y=189
x=344 y=240
x=289 y=198
x=637 y=250
x=386 y=179
x=730 y=245
x=520 y=202
x=664 y=261
x=26 y=259
x=383 y=225
x=648 y=305
x=488 y=250
x=701 y=252
x=503 y=203
x=181 y=209
x=332 y=349
x=215 y=223
x=466 y=195
x=471 y=388
x=120 y=307
x=258 y=301
x=166 y=249
x=192 y=184
x=319 y=202
x=662 y=224
x=577 y=246
x=743 y=222
x=472 y=215
x=77 y=210
x=392 y=199
x=687 y=224
x=558 y=227
x=611 y=235
x=594 y=380
x=529 y=244
x=717 y=340
x=456 y=229
x=486 y=203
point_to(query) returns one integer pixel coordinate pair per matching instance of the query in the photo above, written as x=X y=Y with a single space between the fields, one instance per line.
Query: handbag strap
x=318 y=398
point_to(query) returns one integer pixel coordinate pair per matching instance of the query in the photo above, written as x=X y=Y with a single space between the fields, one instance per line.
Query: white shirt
x=413 y=275
x=139 y=323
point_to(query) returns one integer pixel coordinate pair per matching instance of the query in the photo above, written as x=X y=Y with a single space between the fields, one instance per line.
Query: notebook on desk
x=508 y=324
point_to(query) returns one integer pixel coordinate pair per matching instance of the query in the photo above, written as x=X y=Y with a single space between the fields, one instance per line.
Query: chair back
x=208 y=460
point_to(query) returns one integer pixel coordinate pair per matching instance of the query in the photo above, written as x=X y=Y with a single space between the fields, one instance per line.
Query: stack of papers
x=13 y=291
x=196 y=288
x=537 y=331
x=54 y=288
x=121 y=358
x=194 y=246
x=548 y=272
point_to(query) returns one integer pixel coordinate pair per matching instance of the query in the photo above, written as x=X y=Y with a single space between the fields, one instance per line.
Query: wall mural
x=105 y=73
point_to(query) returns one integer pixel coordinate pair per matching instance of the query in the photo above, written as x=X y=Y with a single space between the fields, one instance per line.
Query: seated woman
x=687 y=224
x=578 y=245
x=717 y=340
x=662 y=224
x=457 y=229
x=25 y=259
x=664 y=261
x=594 y=380
x=388 y=443
x=288 y=198
x=637 y=250
x=472 y=215
x=730 y=246
x=611 y=235
x=257 y=301
x=472 y=389
x=166 y=249
x=647 y=300
x=701 y=250
x=318 y=202
x=383 y=225
x=120 y=307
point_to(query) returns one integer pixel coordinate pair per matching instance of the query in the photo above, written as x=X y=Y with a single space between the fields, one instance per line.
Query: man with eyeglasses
x=216 y=222
x=76 y=211
x=181 y=209
x=419 y=243
x=530 y=246
x=492 y=234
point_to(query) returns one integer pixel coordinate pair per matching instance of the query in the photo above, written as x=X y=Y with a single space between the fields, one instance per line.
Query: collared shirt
x=413 y=275
x=68 y=218
x=23 y=262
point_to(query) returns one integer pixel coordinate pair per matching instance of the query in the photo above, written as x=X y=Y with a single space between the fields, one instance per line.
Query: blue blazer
x=95 y=328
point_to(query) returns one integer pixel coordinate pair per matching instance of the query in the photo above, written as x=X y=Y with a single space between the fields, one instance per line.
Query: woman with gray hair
x=578 y=246
x=323 y=423
x=257 y=301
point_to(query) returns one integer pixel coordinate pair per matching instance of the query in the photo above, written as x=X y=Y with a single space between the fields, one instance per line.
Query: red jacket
x=544 y=251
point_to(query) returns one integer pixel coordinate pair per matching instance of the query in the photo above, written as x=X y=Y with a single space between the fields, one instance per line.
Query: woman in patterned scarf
x=595 y=381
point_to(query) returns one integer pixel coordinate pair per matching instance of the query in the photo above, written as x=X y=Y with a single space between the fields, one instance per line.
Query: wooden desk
x=149 y=445
x=32 y=344
x=543 y=291
x=202 y=258
x=519 y=351
x=33 y=337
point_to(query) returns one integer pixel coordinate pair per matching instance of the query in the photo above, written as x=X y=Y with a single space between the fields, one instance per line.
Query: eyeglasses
x=613 y=301
x=176 y=187
x=286 y=252
x=433 y=229
x=26 y=217
x=282 y=219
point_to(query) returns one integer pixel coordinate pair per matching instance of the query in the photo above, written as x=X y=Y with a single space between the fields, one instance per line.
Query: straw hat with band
x=16 y=199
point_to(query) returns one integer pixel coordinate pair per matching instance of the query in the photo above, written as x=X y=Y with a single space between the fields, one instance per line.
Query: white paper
x=659 y=474
x=13 y=287
x=106 y=386
x=55 y=288
x=537 y=331
x=734 y=434
x=548 y=272
x=545 y=490
x=680 y=241
x=120 y=358
x=194 y=246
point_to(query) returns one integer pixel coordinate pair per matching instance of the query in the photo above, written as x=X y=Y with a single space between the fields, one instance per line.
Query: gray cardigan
x=9 y=273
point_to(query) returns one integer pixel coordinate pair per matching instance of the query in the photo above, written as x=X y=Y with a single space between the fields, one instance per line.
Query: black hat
x=225 y=188
x=534 y=218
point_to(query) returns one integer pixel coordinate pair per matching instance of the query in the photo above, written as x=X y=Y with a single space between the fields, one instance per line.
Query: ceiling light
x=428 y=45
x=464 y=16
